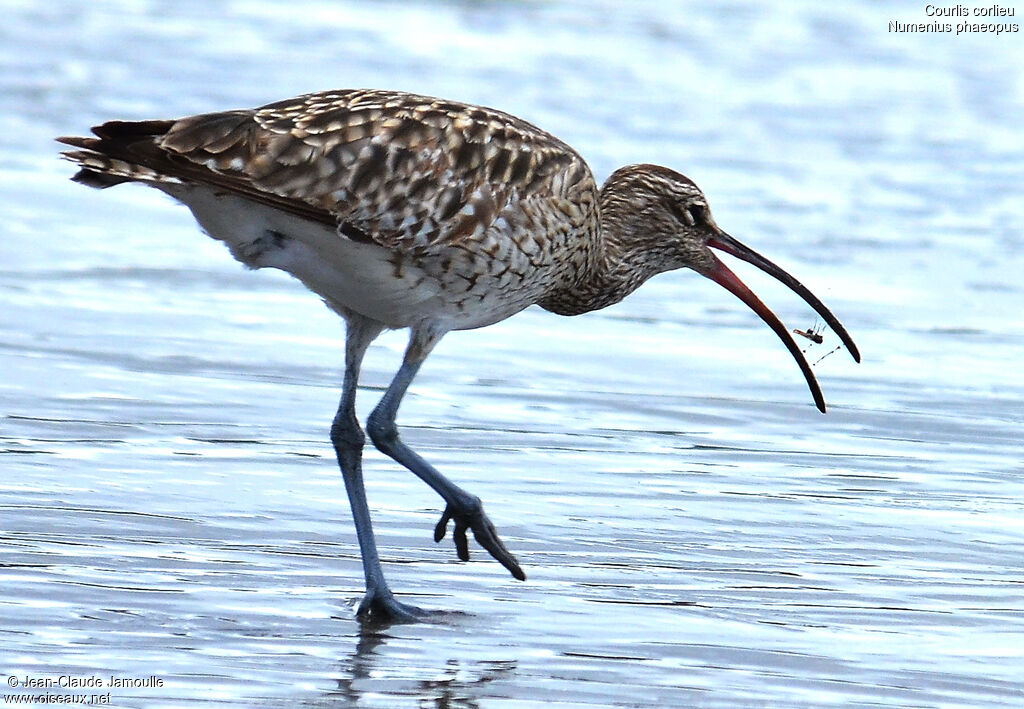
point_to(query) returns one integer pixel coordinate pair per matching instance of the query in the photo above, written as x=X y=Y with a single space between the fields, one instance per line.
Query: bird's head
x=663 y=218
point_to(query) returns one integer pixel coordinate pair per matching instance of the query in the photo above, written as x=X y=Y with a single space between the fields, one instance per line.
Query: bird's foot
x=471 y=516
x=380 y=606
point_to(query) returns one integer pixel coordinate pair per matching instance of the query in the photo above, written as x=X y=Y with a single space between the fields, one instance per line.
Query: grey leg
x=348 y=440
x=465 y=509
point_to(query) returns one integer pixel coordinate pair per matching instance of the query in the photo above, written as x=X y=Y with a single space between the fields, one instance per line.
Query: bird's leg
x=348 y=440
x=465 y=509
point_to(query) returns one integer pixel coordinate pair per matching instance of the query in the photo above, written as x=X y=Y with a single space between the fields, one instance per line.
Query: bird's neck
x=618 y=266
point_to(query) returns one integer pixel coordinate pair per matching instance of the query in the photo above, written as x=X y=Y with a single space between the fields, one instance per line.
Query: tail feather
x=114 y=156
x=150 y=152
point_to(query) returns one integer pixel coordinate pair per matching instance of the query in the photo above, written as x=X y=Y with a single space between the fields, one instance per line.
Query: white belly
x=365 y=278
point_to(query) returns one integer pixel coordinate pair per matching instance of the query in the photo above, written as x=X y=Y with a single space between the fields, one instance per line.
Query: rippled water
x=694 y=532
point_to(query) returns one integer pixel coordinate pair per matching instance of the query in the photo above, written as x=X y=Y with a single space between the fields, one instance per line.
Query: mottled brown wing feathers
x=409 y=171
x=129 y=151
x=210 y=135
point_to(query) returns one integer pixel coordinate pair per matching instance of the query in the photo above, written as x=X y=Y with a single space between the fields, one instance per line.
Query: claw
x=484 y=533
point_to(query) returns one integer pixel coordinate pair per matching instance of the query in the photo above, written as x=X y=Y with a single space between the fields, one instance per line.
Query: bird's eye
x=692 y=215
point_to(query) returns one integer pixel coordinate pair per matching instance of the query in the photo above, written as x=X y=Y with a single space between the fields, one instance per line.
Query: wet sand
x=694 y=532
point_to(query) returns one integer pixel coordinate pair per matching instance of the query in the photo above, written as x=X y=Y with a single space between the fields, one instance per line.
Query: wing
x=408 y=172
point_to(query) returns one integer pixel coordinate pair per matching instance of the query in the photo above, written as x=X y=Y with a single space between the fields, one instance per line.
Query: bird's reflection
x=450 y=683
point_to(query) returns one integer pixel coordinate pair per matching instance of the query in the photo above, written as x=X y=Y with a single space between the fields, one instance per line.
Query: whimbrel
x=405 y=211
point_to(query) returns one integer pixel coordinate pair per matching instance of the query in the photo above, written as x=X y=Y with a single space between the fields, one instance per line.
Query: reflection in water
x=360 y=665
x=457 y=684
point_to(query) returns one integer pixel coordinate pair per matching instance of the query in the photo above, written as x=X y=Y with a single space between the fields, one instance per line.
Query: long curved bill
x=724 y=277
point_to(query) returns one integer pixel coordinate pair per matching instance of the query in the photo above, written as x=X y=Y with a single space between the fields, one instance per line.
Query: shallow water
x=694 y=532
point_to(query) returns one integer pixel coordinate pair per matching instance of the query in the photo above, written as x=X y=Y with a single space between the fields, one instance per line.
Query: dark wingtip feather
x=78 y=142
x=120 y=130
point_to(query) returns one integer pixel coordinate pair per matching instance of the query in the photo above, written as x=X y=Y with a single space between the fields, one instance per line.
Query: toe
x=379 y=607
x=483 y=531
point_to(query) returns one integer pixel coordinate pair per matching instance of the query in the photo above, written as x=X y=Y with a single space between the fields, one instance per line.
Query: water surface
x=694 y=532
